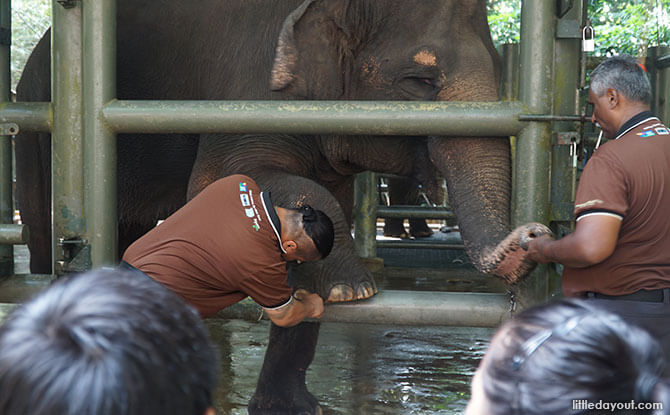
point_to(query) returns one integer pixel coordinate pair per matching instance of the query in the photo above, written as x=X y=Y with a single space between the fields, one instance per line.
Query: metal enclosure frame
x=85 y=116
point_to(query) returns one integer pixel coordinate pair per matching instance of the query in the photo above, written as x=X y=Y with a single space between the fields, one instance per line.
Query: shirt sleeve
x=268 y=289
x=602 y=189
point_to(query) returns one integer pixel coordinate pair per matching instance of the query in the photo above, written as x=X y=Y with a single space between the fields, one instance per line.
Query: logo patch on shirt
x=588 y=204
x=243 y=186
x=662 y=131
x=245 y=199
x=256 y=227
x=249 y=212
x=646 y=134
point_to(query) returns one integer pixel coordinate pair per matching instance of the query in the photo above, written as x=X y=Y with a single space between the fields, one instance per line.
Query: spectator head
x=106 y=342
x=550 y=356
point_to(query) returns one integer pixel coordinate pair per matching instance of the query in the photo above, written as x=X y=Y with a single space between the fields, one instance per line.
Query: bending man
x=230 y=242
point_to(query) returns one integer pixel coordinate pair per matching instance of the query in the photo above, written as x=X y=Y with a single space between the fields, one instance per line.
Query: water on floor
x=360 y=368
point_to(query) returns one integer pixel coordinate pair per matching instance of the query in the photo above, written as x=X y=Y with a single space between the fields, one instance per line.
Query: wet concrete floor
x=360 y=368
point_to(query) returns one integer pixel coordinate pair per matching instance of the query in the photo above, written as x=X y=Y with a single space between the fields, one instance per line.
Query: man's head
x=619 y=89
x=106 y=342
x=307 y=234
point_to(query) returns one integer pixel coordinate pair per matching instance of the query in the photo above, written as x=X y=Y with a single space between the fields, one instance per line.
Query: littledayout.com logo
x=583 y=404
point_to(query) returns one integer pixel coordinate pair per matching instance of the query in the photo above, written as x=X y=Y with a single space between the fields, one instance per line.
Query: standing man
x=230 y=242
x=619 y=254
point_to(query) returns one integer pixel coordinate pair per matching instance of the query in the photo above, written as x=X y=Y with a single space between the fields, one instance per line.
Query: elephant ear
x=308 y=60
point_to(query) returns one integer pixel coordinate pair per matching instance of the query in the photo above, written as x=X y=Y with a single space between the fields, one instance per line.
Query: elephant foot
x=344 y=292
x=508 y=260
x=394 y=228
x=303 y=403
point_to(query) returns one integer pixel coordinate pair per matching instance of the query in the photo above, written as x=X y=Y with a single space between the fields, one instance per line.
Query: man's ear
x=289 y=246
x=612 y=97
x=210 y=411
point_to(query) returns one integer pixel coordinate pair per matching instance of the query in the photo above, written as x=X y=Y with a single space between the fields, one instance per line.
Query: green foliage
x=504 y=17
x=30 y=19
x=628 y=26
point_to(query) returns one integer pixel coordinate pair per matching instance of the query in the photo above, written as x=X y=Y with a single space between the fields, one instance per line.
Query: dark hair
x=319 y=228
x=550 y=355
x=624 y=74
x=106 y=342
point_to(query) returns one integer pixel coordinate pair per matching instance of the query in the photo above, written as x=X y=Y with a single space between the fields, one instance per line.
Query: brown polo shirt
x=219 y=248
x=628 y=178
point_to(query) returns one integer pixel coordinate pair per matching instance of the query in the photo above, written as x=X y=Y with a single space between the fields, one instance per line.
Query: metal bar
x=18 y=288
x=416 y=308
x=99 y=81
x=67 y=153
x=5 y=309
x=37 y=117
x=663 y=62
x=365 y=217
x=549 y=117
x=418 y=245
x=533 y=145
x=510 y=72
x=11 y=234
x=404 y=212
x=315 y=117
x=6 y=199
x=659 y=77
x=30 y=116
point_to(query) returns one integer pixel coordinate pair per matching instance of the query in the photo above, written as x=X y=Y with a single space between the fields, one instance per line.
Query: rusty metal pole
x=99 y=80
x=6 y=200
x=67 y=154
x=533 y=145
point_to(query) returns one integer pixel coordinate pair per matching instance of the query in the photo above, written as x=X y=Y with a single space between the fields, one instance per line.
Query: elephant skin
x=291 y=49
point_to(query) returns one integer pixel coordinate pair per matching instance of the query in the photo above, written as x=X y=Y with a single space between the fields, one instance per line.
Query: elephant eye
x=419 y=87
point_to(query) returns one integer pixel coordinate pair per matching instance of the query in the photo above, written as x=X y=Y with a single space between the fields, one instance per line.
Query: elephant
x=404 y=191
x=435 y=50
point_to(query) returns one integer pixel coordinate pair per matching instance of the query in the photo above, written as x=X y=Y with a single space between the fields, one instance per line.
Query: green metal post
x=6 y=201
x=659 y=76
x=365 y=219
x=533 y=145
x=568 y=55
x=510 y=72
x=67 y=176
x=99 y=80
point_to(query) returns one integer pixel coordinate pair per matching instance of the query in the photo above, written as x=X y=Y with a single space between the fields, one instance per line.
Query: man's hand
x=536 y=251
x=303 y=305
x=313 y=302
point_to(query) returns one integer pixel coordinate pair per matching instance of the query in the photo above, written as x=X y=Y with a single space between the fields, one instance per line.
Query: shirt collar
x=633 y=122
x=271 y=214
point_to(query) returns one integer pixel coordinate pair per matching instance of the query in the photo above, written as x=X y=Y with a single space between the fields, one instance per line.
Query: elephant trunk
x=478 y=177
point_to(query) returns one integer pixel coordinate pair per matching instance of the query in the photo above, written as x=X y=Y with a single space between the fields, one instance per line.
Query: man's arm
x=593 y=241
x=303 y=305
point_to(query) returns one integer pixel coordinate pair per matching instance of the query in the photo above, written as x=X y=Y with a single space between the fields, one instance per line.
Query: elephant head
x=394 y=50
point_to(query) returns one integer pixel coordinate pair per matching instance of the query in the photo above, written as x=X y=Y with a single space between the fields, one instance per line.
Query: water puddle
x=360 y=368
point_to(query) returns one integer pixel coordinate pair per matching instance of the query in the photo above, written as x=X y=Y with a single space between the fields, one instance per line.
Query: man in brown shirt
x=230 y=242
x=619 y=253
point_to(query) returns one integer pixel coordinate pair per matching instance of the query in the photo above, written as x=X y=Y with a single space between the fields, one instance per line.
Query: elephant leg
x=405 y=191
x=281 y=385
x=418 y=228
